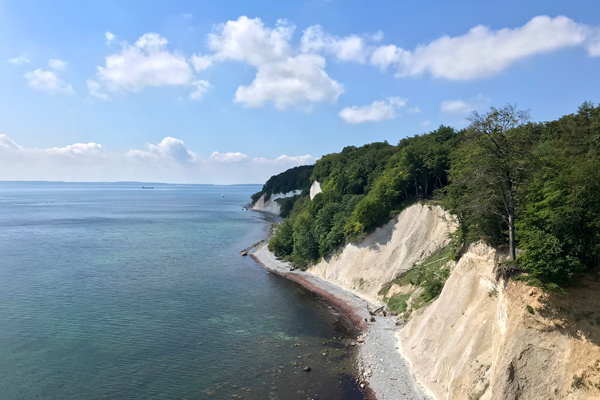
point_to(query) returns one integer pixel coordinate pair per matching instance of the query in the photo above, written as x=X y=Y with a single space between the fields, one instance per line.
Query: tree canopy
x=532 y=187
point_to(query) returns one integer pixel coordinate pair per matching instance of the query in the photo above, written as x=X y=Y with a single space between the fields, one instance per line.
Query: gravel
x=380 y=362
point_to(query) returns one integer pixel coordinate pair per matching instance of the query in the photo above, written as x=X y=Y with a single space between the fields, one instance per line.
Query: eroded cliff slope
x=483 y=339
x=374 y=262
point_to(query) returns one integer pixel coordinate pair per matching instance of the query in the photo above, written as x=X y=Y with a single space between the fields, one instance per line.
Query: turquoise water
x=108 y=291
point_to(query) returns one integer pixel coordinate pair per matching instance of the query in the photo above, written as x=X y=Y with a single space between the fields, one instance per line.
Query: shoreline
x=276 y=217
x=384 y=373
x=357 y=320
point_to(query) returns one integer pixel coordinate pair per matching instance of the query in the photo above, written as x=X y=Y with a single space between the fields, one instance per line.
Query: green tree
x=282 y=243
x=306 y=246
x=491 y=167
x=560 y=225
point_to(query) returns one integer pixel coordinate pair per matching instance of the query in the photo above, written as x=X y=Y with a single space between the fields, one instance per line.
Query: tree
x=282 y=243
x=306 y=246
x=559 y=227
x=491 y=166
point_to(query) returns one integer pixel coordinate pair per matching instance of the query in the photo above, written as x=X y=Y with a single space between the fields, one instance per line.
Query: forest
x=532 y=188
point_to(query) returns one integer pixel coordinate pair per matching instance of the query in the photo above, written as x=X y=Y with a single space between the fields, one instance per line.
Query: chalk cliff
x=271 y=205
x=481 y=338
x=392 y=249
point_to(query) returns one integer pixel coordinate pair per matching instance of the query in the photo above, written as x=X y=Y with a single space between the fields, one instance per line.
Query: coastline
x=276 y=217
x=384 y=372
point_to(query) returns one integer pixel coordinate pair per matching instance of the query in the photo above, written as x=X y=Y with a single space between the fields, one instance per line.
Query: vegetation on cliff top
x=362 y=188
x=511 y=182
x=297 y=178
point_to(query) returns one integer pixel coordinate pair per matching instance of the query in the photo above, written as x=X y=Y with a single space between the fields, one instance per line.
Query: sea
x=113 y=291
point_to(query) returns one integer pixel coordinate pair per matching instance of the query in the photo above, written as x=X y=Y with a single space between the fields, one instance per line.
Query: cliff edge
x=483 y=339
x=376 y=260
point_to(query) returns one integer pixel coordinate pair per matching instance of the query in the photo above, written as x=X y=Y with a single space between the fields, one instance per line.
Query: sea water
x=111 y=291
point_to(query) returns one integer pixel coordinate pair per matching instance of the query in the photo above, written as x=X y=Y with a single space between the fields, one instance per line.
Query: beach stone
x=307 y=369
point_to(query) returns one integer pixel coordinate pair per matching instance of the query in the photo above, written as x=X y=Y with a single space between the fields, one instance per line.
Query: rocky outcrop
x=315 y=189
x=483 y=339
x=377 y=259
x=271 y=205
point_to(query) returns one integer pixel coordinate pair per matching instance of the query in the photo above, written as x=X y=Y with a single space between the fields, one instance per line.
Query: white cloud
x=349 y=48
x=57 y=65
x=109 y=37
x=7 y=143
x=384 y=56
x=483 y=52
x=47 y=81
x=377 y=111
x=174 y=149
x=377 y=36
x=200 y=62
x=187 y=16
x=425 y=123
x=77 y=149
x=298 y=81
x=286 y=160
x=22 y=59
x=282 y=78
x=457 y=107
x=594 y=50
x=249 y=41
x=228 y=157
x=168 y=161
x=146 y=63
x=593 y=43
x=201 y=88
x=414 y=110
x=96 y=90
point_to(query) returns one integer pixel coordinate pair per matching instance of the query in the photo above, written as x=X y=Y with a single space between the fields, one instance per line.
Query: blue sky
x=234 y=91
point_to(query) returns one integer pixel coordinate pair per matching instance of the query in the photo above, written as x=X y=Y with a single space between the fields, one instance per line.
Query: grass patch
x=430 y=273
x=397 y=302
x=359 y=283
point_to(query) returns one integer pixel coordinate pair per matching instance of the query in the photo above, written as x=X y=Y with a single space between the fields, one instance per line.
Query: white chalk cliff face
x=481 y=338
x=315 y=189
x=271 y=205
x=505 y=340
x=366 y=267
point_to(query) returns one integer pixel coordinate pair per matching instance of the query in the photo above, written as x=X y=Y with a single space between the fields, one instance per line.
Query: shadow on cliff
x=576 y=312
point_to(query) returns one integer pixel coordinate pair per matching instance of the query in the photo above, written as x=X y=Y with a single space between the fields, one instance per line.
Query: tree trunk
x=511 y=234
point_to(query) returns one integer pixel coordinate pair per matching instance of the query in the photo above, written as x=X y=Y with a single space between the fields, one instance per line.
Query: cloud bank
x=483 y=52
x=290 y=76
x=285 y=77
x=168 y=161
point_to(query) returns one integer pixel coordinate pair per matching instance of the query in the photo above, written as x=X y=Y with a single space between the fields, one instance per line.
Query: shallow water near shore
x=111 y=291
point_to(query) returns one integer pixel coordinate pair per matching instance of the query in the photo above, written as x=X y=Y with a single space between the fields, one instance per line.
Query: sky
x=236 y=91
